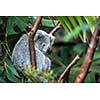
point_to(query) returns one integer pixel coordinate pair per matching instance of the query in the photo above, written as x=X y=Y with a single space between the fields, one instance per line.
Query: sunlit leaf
x=66 y=22
x=71 y=18
x=75 y=33
x=63 y=23
x=79 y=19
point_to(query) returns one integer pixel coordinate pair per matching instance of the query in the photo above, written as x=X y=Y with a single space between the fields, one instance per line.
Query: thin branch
x=6 y=44
x=35 y=27
x=69 y=67
x=88 y=58
x=6 y=50
x=55 y=29
x=31 y=35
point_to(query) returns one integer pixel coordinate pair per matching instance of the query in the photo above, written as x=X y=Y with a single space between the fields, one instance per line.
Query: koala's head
x=43 y=40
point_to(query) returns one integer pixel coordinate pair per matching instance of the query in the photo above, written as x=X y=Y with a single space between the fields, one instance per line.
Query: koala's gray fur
x=43 y=41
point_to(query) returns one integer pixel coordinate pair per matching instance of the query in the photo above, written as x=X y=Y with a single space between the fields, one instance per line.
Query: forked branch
x=31 y=35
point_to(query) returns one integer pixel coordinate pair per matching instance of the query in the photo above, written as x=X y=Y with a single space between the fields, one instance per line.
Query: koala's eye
x=39 y=36
x=43 y=45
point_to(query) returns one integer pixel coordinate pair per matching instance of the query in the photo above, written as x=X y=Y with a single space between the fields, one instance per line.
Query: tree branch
x=55 y=29
x=88 y=58
x=69 y=67
x=31 y=35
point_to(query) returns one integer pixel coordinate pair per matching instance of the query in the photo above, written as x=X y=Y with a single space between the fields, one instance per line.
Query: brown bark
x=68 y=67
x=31 y=35
x=55 y=29
x=88 y=58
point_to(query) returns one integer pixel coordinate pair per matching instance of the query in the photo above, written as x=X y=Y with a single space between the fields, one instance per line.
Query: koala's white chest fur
x=43 y=41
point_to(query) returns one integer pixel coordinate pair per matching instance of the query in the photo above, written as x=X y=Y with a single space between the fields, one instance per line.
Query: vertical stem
x=31 y=35
x=88 y=58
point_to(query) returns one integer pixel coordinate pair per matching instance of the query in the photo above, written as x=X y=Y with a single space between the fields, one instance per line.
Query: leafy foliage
x=20 y=22
x=77 y=26
x=37 y=76
x=75 y=38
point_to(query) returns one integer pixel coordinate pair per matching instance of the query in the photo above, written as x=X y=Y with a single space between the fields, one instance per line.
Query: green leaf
x=90 y=78
x=73 y=74
x=11 y=67
x=21 y=22
x=58 y=71
x=63 y=23
x=49 y=23
x=91 y=20
x=79 y=49
x=95 y=69
x=10 y=25
x=2 y=80
x=67 y=24
x=75 y=33
x=1 y=70
x=12 y=78
x=96 y=56
x=79 y=19
x=64 y=18
x=71 y=18
x=56 y=59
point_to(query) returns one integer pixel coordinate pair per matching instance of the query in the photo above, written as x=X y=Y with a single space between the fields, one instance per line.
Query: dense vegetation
x=72 y=39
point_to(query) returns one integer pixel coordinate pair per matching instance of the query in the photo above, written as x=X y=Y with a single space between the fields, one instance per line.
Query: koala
x=43 y=42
